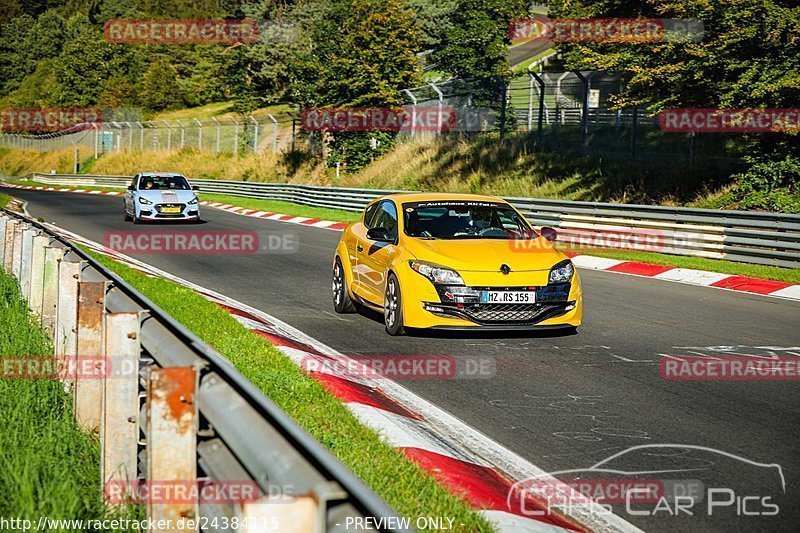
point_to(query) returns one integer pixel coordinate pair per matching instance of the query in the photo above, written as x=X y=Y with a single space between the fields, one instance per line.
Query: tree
x=475 y=46
x=361 y=54
x=14 y=60
x=159 y=87
x=748 y=57
x=85 y=65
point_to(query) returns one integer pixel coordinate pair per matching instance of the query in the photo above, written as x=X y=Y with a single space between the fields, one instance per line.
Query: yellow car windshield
x=463 y=220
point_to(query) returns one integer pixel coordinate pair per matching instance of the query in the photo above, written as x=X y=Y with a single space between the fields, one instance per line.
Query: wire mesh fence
x=569 y=112
x=258 y=133
x=575 y=112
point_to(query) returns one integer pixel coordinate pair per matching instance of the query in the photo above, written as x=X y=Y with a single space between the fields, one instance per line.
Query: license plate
x=508 y=297
x=170 y=209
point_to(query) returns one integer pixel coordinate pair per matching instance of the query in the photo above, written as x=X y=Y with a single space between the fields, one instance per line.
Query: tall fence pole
x=141 y=136
x=539 y=130
x=218 y=132
x=274 y=133
x=294 y=131
x=130 y=136
x=235 y=136
x=169 y=135
x=255 y=133
x=183 y=132
x=413 y=110
x=584 y=111
x=199 y=133
x=634 y=127
x=439 y=110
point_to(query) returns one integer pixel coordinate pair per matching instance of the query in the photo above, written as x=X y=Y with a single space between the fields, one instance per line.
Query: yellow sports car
x=452 y=261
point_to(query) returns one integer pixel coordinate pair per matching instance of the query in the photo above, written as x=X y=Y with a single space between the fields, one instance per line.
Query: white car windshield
x=163 y=183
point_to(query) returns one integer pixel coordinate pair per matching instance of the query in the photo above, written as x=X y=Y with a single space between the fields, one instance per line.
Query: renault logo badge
x=505 y=269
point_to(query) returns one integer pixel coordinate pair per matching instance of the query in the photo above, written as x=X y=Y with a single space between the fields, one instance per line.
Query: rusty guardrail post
x=172 y=439
x=16 y=257
x=52 y=258
x=65 y=340
x=119 y=424
x=3 y=221
x=28 y=235
x=36 y=292
x=91 y=346
x=291 y=514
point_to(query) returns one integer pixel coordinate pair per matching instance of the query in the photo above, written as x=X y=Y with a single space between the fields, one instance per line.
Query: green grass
x=216 y=110
x=4 y=199
x=48 y=466
x=405 y=487
x=788 y=275
x=521 y=68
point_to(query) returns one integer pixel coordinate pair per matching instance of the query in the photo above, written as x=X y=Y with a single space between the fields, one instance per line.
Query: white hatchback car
x=156 y=196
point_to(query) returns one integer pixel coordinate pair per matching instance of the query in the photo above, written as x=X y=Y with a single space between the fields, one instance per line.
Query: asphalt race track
x=561 y=402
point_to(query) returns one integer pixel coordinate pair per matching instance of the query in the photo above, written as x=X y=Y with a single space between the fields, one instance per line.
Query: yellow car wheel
x=393 y=307
x=342 y=303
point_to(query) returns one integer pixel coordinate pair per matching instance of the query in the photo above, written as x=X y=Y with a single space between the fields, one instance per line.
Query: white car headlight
x=193 y=201
x=145 y=201
x=437 y=274
x=561 y=272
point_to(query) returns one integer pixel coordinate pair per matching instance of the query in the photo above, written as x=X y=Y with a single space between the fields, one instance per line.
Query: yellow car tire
x=393 y=307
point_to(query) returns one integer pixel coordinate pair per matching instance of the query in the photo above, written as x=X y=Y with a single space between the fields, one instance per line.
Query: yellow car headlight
x=437 y=274
x=561 y=272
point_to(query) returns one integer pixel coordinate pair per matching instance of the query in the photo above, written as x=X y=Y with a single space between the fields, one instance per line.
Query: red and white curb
x=764 y=287
x=464 y=460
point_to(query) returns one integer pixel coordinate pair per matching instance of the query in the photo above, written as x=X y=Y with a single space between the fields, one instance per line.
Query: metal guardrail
x=745 y=236
x=169 y=409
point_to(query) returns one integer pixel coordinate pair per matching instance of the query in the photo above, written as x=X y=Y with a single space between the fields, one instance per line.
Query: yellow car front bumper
x=423 y=308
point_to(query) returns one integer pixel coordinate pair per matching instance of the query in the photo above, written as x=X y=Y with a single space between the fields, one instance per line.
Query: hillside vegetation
x=486 y=166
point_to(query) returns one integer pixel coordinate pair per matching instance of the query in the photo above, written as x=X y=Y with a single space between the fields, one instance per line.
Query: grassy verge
x=48 y=466
x=485 y=164
x=288 y=208
x=4 y=198
x=400 y=482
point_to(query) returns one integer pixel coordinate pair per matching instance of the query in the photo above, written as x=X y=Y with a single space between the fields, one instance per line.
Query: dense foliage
x=360 y=53
x=748 y=57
